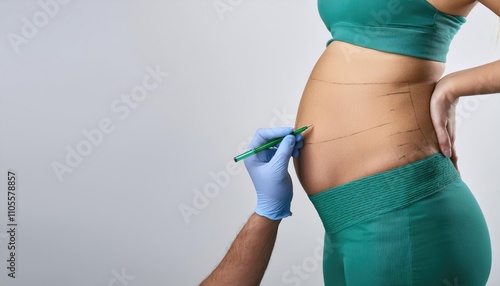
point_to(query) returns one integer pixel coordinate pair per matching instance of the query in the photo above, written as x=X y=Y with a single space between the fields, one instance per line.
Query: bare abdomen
x=370 y=112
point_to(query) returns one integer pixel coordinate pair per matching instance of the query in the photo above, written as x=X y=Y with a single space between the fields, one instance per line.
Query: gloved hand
x=269 y=171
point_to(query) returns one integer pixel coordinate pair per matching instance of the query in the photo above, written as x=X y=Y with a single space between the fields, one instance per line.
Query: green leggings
x=418 y=224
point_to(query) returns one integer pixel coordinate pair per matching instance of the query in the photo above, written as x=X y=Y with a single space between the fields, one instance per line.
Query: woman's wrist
x=483 y=79
x=446 y=87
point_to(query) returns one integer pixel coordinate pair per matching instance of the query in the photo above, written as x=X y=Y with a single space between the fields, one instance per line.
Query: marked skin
x=374 y=111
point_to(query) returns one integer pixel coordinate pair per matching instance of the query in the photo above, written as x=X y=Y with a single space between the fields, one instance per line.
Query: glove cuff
x=275 y=214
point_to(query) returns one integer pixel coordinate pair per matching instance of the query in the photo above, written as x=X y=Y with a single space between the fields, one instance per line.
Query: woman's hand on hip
x=442 y=108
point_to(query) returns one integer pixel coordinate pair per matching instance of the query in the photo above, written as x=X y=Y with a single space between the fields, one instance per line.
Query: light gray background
x=229 y=73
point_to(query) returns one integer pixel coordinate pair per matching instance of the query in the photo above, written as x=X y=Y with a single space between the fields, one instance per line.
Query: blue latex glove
x=269 y=171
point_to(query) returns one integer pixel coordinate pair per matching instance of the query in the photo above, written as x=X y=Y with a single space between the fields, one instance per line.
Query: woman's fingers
x=450 y=127
x=439 y=121
x=443 y=120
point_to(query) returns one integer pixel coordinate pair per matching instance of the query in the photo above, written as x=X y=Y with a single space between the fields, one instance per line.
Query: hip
x=420 y=222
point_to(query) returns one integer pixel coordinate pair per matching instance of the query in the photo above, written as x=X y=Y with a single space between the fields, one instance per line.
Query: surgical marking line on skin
x=358 y=83
x=352 y=134
x=410 y=152
x=415 y=113
x=394 y=93
x=368 y=83
x=407 y=131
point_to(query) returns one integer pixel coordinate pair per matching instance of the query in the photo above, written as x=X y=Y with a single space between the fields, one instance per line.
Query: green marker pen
x=268 y=145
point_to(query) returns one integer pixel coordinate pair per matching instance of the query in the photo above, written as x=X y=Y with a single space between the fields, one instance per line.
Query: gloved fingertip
x=299 y=144
x=290 y=139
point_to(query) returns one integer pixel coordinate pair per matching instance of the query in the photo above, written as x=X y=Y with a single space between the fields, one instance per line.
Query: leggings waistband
x=359 y=200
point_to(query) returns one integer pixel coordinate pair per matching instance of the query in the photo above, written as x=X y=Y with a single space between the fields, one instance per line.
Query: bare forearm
x=248 y=257
x=483 y=79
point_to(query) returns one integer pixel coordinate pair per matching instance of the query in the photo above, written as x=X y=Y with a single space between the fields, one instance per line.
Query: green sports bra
x=407 y=27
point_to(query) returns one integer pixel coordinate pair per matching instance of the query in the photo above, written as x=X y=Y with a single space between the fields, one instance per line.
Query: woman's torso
x=369 y=110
